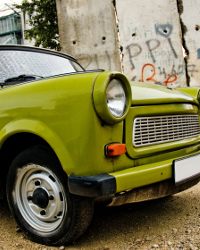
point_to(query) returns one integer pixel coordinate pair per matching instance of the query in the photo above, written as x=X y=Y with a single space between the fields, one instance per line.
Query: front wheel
x=40 y=201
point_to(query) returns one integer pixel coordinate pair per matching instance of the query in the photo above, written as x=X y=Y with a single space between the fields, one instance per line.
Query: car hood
x=145 y=94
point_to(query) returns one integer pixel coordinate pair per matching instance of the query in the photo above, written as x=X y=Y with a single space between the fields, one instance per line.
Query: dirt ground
x=169 y=223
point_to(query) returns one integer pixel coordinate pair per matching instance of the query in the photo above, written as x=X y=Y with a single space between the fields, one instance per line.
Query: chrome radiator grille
x=161 y=129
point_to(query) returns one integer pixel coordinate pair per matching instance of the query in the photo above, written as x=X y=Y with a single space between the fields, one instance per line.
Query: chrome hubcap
x=40 y=198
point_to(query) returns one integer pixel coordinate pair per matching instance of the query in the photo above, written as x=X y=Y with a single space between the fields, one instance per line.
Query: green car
x=70 y=138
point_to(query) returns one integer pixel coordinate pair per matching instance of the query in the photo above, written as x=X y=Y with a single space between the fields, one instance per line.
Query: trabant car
x=71 y=137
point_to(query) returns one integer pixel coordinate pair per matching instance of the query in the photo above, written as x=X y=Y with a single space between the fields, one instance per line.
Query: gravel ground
x=169 y=223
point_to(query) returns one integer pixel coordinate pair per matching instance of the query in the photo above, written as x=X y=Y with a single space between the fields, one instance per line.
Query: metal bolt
x=37 y=183
x=43 y=212
x=30 y=198
x=51 y=197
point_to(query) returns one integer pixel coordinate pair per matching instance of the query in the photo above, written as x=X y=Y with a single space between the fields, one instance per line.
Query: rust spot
x=111 y=76
x=151 y=192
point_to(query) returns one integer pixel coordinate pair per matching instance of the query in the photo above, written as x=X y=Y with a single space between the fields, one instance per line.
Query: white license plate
x=186 y=169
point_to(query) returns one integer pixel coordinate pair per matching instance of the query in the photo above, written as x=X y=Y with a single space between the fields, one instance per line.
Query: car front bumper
x=130 y=179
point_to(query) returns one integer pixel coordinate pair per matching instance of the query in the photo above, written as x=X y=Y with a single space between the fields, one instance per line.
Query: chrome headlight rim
x=99 y=96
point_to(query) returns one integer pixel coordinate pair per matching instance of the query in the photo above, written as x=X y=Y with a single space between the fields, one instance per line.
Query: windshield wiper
x=19 y=79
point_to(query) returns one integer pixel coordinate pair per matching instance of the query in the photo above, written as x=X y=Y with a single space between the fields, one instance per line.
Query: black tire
x=39 y=200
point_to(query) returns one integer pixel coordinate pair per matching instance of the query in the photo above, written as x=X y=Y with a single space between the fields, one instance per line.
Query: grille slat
x=157 y=129
x=160 y=129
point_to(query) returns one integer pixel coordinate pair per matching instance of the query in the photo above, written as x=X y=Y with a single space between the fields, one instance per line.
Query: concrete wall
x=190 y=16
x=150 y=36
x=26 y=26
x=144 y=42
x=88 y=31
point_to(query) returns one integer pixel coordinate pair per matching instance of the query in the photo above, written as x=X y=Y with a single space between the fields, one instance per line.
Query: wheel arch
x=20 y=135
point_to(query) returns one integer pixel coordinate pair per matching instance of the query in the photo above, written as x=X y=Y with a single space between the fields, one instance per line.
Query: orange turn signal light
x=115 y=149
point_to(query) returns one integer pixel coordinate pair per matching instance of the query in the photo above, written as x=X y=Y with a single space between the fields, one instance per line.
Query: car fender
x=191 y=91
x=42 y=130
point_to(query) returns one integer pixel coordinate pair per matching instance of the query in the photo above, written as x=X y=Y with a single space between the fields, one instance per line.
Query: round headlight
x=112 y=96
x=116 y=98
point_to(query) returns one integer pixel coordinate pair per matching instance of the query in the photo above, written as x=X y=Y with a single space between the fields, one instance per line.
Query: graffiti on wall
x=150 y=61
x=152 y=57
x=103 y=57
x=94 y=61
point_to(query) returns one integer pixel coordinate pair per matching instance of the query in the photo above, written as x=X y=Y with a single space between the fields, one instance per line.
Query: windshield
x=14 y=63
